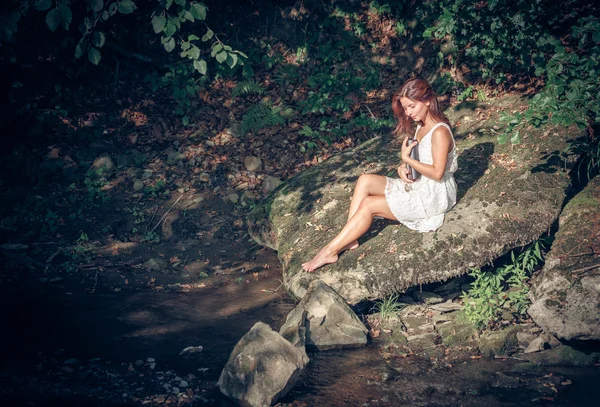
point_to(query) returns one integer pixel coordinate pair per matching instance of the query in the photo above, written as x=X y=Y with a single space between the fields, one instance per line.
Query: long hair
x=416 y=90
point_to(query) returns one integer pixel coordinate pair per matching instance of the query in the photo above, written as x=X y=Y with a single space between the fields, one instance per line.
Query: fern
x=247 y=88
x=263 y=115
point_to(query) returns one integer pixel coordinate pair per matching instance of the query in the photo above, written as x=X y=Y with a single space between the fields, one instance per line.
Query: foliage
x=265 y=114
x=388 y=307
x=504 y=288
x=588 y=149
x=167 y=20
x=247 y=88
x=498 y=38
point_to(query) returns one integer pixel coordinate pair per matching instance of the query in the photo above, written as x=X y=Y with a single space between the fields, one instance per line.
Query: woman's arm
x=441 y=145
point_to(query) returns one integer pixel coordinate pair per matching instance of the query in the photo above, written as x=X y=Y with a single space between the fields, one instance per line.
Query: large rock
x=507 y=197
x=566 y=294
x=329 y=322
x=262 y=368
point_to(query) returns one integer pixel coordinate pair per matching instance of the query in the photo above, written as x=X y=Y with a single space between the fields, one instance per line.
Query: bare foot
x=322 y=258
x=350 y=246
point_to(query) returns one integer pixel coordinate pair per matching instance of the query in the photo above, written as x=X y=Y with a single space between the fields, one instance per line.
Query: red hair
x=417 y=90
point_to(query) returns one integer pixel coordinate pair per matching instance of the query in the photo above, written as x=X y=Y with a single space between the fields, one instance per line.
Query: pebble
x=183 y=383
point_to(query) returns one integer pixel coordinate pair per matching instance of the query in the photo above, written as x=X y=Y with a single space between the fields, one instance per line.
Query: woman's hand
x=403 y=173
x=407 y=148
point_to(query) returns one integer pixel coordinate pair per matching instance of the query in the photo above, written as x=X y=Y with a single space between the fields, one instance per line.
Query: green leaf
x=167 y=4
x=198 y=10
x=53 y=19
x=126 y=6
x=193 y=37
x=194 y=52
x=596 y=36
x=169 y=44
x=79 y=51
x=200 y=66
x=97 y=5
x=158 y=23
x=94 y=55
x=188 y=16
x=85 y=26
x=66 y=16
x=221 y=56
x=502 y=138
x=98 y=39
x=516 y=138
x=216 y=47
x=42 y=5
x=105 y=15
x=180 y=2
x=170 y=28
x=113 y=8
x=232 y=60
x=209 y=34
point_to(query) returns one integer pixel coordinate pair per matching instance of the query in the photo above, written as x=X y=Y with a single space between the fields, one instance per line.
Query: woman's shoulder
x=441 y=129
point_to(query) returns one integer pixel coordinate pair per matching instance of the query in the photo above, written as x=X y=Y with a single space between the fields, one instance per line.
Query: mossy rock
x=563 y=356
x=566 y=294
x=500 y=343
x=507 y=197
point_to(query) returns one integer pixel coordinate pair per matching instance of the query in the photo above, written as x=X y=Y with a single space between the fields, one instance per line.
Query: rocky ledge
x=508 y=196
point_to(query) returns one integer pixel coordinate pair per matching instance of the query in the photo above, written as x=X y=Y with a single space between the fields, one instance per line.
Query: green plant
x=388 y=307
x=588 y=149
x=95 y=190
x=503 y=288
x=247 y=88
x=265 y=114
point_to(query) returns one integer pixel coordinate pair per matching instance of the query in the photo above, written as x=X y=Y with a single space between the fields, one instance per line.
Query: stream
x=63 y=347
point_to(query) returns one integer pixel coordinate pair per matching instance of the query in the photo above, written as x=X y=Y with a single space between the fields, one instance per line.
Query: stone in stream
x=329 y=322
x=508 y=196
x=566 y=294
x=262 y=368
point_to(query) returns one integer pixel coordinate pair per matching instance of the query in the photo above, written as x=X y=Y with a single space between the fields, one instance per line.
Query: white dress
x=422 y=208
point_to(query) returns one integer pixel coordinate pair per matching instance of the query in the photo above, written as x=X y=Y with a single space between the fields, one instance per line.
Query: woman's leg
x=367 y=185
x=355 y=227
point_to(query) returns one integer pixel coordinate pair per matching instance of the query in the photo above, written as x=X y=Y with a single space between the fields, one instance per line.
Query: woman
x=418 y=204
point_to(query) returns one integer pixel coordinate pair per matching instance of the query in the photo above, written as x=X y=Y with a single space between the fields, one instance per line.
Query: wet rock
x=475 y=232
x=330 y=323
x=262 y=368
x=270 y=183
x=294 y=330
x=138 y=185
x=428 y=298
x=499 y=343
x=563 y=356
x=566 y=294
x=536 y=345
x=233 y=197
x=524 y=339
x=147 y=174
x=252 y=163
x=174 y=157
x=102 y=167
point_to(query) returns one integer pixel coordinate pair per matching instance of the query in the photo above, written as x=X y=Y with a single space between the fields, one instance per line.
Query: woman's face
x=415 y=110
